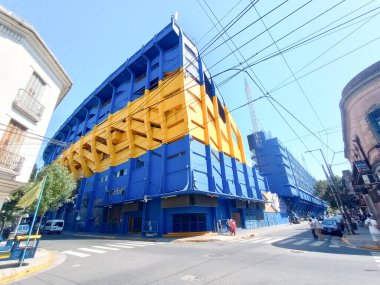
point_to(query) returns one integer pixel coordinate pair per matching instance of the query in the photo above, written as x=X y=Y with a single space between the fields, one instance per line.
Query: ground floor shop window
x=189 y=223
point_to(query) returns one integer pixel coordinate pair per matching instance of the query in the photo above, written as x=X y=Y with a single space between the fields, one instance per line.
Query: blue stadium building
x=156 y=150
x=286 y=177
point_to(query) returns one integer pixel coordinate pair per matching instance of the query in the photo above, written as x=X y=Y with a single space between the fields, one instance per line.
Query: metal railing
x=11 y=161
x=28 y=104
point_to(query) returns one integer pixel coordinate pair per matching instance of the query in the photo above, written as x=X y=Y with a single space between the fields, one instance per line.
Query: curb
x=29 y=271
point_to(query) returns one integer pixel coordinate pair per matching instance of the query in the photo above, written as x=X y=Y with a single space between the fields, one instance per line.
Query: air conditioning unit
x=369 y=178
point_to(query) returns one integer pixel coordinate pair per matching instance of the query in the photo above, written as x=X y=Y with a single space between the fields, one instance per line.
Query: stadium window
x=139 y=163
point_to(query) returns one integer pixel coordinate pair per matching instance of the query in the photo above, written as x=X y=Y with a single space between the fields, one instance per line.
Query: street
x=286 y=256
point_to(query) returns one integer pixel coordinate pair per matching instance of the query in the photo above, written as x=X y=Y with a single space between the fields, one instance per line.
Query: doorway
x=134 y=224
x=237 y=218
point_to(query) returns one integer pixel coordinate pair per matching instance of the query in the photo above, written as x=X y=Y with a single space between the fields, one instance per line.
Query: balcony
x=28 y=105
x=10 y=162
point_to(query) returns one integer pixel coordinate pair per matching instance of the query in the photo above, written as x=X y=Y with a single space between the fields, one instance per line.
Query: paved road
x=288 y=256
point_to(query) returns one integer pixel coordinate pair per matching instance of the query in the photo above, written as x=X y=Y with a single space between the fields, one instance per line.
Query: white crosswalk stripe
x=287 y=241
x=317 y=243
x=106 y=247
x=260 y=240
x=119 y=245
x=79 y=254
x=132 y=244
x=92 y=250
x=246 y=240
x=301 y=242
x=273 y=240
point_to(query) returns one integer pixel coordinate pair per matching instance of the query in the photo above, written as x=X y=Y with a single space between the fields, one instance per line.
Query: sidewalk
x=209 y=237
x=242 y=233
x=362 y=239
x=10 y=270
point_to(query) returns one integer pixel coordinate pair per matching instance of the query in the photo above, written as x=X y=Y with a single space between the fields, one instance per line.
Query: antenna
x=174 y=17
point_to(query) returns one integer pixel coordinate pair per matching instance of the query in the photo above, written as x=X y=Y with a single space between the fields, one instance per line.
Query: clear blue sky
x=91 y=38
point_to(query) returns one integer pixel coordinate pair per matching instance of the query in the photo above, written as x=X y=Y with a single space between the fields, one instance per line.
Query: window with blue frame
x=374 y=120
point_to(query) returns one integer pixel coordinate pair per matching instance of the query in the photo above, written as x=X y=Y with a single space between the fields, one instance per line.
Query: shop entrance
x=189 y=223
x=134 y=224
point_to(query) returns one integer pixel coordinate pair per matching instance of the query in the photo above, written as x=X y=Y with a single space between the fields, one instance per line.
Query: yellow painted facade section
x=177 y=107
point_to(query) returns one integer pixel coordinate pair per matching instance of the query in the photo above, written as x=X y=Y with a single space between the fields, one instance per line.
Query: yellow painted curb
x=24 y=273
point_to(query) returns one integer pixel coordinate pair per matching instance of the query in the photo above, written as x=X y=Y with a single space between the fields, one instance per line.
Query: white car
x=53 y=226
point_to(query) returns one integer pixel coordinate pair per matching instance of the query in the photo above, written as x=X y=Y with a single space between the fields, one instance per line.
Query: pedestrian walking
x=318 y=229
x=228 y=226
x=374 y=229
x=312 y=226
x=233 y=227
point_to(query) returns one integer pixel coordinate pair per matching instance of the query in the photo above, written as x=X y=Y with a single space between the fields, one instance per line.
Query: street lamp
x=334 y=188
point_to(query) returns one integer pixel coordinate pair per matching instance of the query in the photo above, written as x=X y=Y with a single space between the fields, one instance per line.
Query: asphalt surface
x=288 y=256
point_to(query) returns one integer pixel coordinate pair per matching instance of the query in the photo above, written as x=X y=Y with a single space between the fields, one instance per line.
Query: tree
x=10 y=211
x=323 y=190
x=58 y=189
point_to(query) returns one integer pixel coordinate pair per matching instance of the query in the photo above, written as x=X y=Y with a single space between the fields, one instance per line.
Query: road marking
x=246 y=240
x=92 y=250
x=260 y=240
x=119 y=245
x=317 y=243
x=273 y=240
x=334 y=245
x=287 y=241
x=131 y=244
x=79 y=254
x=301 y=242
x=105 y=247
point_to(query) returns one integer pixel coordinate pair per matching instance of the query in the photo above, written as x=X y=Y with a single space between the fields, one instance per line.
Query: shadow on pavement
x=335 y=246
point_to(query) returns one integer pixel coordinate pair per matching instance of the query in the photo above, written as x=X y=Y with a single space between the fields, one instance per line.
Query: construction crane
x=252 y=112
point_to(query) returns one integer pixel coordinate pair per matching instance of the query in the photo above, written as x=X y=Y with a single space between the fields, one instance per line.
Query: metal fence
x=150 y=228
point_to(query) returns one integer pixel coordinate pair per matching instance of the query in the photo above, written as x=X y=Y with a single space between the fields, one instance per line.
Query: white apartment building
x=32 y=84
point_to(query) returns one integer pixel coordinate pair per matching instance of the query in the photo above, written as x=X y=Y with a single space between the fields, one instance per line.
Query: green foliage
x=10 y=211
x=59 y=187
x=323 y=190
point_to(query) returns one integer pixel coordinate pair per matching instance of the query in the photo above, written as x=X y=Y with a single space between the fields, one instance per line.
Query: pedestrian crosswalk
x=289 y=241
x=376 y=257
x=108 y=247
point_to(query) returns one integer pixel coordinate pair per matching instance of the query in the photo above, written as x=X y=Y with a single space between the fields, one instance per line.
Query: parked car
x=331 y=227
x=22 y=229
x=53 y=226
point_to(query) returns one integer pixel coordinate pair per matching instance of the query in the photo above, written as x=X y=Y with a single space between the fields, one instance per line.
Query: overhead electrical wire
x=139 y=110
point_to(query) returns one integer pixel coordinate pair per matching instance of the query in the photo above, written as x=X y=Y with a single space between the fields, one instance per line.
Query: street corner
x=44 y=260
x=370 y=247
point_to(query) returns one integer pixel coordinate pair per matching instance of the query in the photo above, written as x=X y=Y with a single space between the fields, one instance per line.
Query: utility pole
x=334 y=189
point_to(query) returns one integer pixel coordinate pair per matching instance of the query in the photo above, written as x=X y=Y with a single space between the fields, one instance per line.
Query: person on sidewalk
x=233 y=227
x=312 y=226
x=373 y=227
x=228 y=225
x=318 y=229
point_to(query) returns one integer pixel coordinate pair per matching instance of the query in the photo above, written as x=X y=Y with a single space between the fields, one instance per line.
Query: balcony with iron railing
x=28 y=105
x=11 y=162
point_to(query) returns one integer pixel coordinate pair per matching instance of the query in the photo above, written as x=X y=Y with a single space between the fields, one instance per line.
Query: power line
x=290 y=69
x=255 y=37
